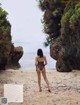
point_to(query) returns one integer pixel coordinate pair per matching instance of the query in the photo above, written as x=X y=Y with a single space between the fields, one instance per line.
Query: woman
x=40 y=62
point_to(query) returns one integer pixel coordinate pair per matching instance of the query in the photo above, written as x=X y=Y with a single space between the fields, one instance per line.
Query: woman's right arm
x=36 y=63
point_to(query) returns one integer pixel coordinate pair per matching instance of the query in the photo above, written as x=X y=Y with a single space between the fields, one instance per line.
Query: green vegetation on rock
x=61 y=23
x=41 y=5
x=71 y=16
x=5 y=26
x=9 y=55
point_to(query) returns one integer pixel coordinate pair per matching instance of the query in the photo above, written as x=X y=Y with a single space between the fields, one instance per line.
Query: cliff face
x=9 y=55
x=63 y=29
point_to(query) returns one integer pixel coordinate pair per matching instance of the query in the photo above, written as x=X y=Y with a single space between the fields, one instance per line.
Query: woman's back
x=41 y=62
x=40 y=59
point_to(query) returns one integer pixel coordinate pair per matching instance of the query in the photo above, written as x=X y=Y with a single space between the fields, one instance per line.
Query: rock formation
x=9 y=55
x=61 y=24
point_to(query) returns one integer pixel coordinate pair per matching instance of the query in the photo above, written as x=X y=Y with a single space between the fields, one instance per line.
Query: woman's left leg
x=39 y=78
x=45 y=78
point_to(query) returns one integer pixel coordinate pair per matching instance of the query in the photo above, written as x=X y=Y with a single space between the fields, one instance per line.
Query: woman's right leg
x=39 y=78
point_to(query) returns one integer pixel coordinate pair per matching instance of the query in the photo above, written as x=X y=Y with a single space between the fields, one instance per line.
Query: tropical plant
x=75 y=18
x=47 y=41
x=4 y=23
x=41 y=5
x=71 y=16
x=66 y=17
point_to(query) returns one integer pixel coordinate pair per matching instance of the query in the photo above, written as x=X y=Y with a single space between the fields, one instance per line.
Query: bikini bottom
x=40 y=65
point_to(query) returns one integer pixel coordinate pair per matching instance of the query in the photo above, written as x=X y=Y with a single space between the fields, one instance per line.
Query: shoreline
x=65 y=87
x=33 y=69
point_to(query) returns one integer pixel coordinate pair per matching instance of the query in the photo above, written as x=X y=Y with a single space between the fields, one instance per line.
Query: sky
x=26 y=27
x=25 y=18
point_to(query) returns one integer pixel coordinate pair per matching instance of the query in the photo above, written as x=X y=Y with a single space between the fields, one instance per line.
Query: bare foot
x=40 y=90
x=49 y=90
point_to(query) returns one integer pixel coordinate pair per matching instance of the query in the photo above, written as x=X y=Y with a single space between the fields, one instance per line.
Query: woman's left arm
x=36 y=61
x=45 y=60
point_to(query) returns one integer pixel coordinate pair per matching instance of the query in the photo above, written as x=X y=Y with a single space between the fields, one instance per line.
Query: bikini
x=40 y=65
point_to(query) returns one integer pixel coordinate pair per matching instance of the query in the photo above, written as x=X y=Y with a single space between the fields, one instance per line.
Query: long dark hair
x=40 y=52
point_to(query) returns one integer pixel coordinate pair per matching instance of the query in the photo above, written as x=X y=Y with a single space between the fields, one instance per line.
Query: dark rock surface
x=64 y=40
x=14 y=57
x=9 y=55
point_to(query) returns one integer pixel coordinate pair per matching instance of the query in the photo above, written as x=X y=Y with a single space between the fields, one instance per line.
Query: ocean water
x=27 y=62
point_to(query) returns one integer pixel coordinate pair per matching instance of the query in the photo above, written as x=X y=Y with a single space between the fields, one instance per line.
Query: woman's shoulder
x=36 y=57
x=44 y=56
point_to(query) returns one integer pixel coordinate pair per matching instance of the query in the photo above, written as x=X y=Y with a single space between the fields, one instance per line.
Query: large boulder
x=61 y=23
x=9 y=55
x=14 y=57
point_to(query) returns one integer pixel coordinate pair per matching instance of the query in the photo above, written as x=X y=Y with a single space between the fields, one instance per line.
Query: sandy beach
x=65 y=87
